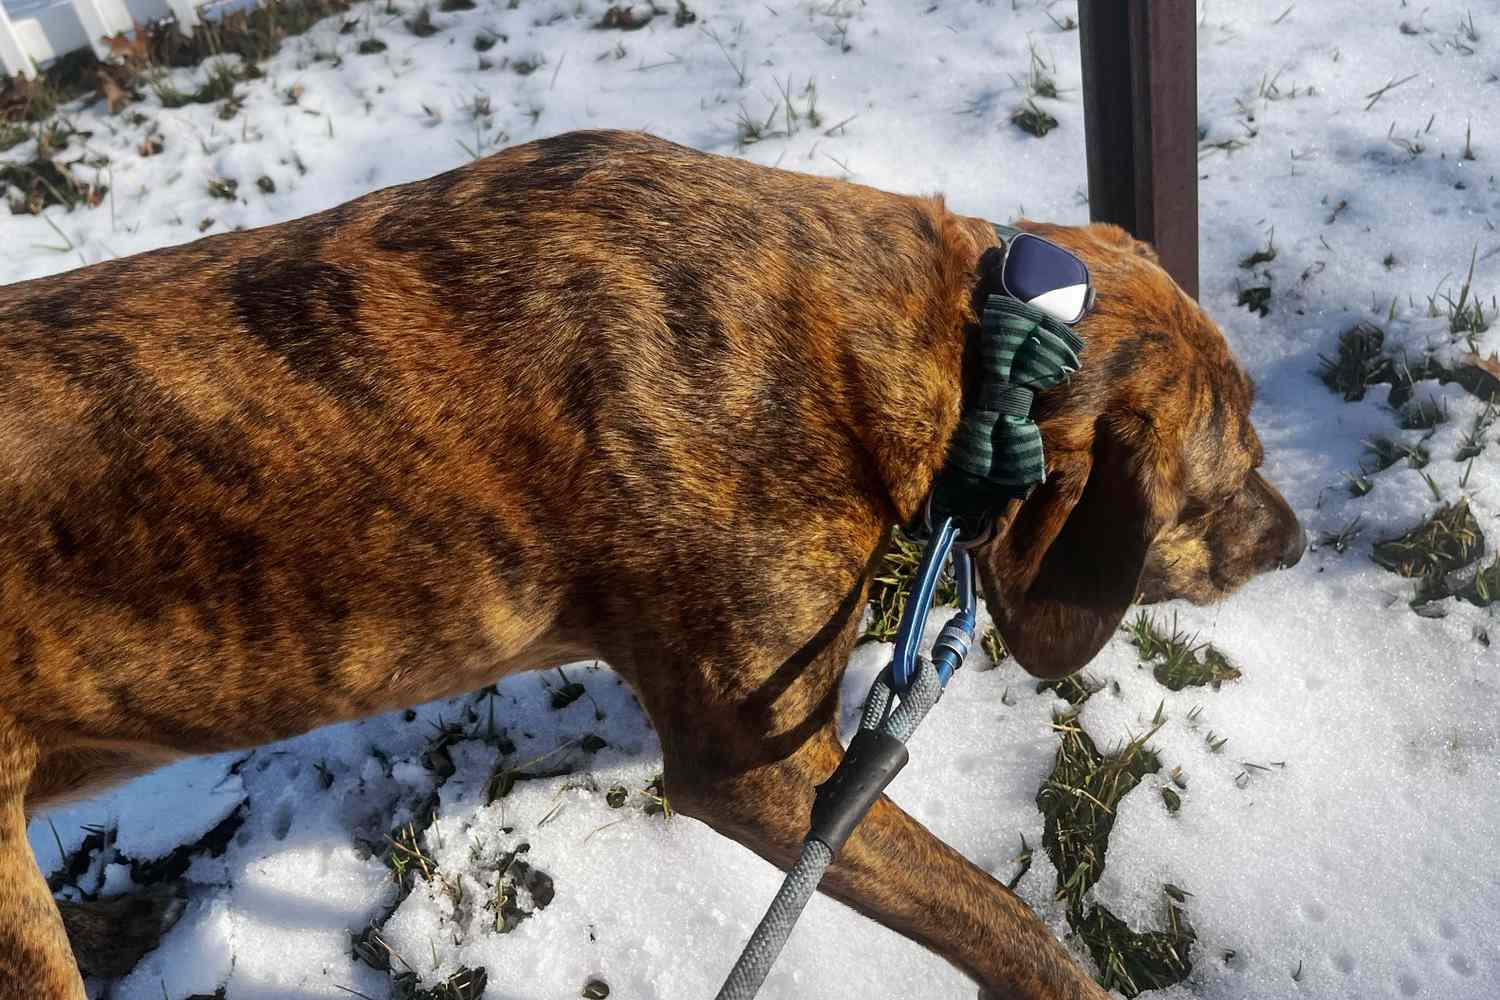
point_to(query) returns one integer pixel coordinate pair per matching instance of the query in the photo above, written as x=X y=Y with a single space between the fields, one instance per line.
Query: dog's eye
x=1194 y=509
x=1200 y=507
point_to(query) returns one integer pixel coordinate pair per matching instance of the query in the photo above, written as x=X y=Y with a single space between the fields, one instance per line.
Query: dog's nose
x=1295 y=546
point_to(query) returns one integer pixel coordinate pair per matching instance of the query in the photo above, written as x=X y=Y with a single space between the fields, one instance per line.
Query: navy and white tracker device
x=1043 y=274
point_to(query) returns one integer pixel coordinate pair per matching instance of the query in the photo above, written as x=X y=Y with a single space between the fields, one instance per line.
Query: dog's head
x=1152 y=487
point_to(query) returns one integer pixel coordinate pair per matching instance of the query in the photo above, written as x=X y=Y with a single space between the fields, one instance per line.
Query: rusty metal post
x=1140 y=109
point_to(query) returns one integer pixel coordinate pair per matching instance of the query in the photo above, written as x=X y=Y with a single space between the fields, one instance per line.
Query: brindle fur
x=595 y=396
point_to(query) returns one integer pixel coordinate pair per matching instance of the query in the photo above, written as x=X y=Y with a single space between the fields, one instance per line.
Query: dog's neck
x=916 y=375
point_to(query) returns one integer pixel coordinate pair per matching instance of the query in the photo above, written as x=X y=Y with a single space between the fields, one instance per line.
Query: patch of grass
x=12 y=134
x=405 y=856
x=888 y=590
x=1039 y=81
x=1423 y=414
x=503 y=777
x=526 y=66
x=657 y=803
x=218 y=86
x=223 y=188
x=34 y=100
x=749 y=131
x=1179 y=659
x=513 y=878
x=1133 y=961
x=1033 y=120
x=1339 y=541
x=1264 y=255
x=1256 y=298
x=993 y=645
x=1074 y=688
x=570 y=692
x=1387 y=452
x=421 y=25
x=785 y=112
x=370 y=46
x=43 y=182
x=465 y=984
x=435 y=756
x=1484 y=589
x=1465 y=314
x=1356 y=362
x=1079 y=801
x=167 y=93
x=1448 y=540
x=1474 y=438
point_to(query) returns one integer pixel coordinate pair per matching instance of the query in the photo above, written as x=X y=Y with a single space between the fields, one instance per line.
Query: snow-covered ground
x=1360 y=859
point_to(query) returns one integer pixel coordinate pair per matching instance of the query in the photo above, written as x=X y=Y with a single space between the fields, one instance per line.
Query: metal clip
x=957 y=637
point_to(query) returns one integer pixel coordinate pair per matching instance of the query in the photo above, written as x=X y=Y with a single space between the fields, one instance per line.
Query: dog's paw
x=110 y=935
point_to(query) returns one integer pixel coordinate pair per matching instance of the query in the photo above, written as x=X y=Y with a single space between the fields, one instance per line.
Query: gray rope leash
x=902 y=695
x=802 y=880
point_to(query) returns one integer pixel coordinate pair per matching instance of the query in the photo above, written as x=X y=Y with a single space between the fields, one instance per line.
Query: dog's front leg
x=894 y=870
x=35 y=961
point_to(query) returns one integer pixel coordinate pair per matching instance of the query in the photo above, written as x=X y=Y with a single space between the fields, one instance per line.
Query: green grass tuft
x=1074 y=688
x=1179 y=659
x=465 y=984
x=1256 y=298
x=1262 y=256
x=1079 y=799
x=1133 y=961
x=1423 y=414
x=1448 y=540
x=1032 y=119
x=1484 y=589
x=1340 y=541
x=993 y=645
x=1465 y=314
x=1386 y=452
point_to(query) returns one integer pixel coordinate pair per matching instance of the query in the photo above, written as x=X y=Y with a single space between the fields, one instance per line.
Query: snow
x=1359 y=863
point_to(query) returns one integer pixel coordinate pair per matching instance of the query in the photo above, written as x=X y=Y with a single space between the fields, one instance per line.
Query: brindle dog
x=594 y=396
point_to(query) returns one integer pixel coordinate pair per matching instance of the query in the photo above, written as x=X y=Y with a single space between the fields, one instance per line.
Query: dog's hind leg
x=35 y=961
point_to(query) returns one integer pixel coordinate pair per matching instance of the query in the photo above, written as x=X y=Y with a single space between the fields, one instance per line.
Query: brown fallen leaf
x=1480 y=376
x=115 y=96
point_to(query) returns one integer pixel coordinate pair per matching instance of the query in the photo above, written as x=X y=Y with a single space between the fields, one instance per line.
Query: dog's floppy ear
x=1061 y=579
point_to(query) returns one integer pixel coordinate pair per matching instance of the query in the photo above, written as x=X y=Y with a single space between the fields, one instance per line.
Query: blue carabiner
x=957 y=637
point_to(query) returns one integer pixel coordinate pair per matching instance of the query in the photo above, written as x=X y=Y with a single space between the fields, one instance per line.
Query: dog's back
x=361 y=460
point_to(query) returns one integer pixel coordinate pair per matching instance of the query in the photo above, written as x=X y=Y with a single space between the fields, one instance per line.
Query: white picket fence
x=33 y=33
